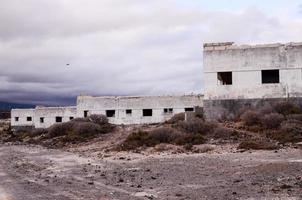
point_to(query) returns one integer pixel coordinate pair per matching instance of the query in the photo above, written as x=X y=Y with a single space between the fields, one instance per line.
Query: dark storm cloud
x=52 y=51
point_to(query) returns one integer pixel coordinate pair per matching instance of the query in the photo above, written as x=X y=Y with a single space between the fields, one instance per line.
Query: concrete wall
x=99 y=105
x=49 y=115
x=246 y=63
x=22 y=115
x=44 y=117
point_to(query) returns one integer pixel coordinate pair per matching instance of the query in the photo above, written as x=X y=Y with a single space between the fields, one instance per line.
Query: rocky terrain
x=255 y=158
x=34 y=172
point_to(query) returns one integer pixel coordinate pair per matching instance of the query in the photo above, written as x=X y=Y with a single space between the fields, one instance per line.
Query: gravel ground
x=34 y=172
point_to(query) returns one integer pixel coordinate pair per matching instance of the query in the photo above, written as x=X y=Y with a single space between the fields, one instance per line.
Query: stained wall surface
x=247 y=89
x=137 y=105
x=246 y=63
x=124 y=110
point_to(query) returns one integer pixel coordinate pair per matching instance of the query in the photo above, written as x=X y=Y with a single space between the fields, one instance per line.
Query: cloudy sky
x=125 y=47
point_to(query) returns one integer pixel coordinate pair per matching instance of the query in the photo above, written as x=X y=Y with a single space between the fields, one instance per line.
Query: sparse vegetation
x=176 y=118
x=251 y=118
x=197 y=126
x=286 y=108
x=272 y=120
x=257 y=145
x=160 y=135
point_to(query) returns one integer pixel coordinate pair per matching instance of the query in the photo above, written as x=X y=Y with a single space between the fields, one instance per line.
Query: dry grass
x=257 y=145
x=251 y=118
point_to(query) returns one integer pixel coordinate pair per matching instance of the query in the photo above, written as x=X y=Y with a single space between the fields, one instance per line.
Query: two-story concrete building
x=244 y=76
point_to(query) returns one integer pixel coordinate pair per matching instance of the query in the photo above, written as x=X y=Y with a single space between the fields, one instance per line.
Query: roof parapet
x=232 y=46
x=217 y=46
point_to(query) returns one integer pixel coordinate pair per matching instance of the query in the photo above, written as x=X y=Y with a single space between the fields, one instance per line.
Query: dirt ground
x=34 y=172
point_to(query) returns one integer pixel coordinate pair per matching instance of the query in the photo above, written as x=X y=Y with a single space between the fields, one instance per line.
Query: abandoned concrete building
x=245 y=76
x=119 y=110
x=236 y=77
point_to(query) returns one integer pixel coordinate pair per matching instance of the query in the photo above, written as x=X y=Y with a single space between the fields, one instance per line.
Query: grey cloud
x=116 y=47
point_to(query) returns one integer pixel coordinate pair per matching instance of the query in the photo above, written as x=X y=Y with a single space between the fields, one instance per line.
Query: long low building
x=119 y=110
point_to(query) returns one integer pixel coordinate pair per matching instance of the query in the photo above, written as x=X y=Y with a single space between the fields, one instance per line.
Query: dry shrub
x=203 y=148
x=98 y=119
x=251 y=118
x=164 y=135
x=197 y=126
x=286 y=108
x=161 y=135
x=176 y=118
x=39 y=131
x=190 y=139
x=290 y=132
x=225 y=133
x=272 y=121
x=80 y=129
x=60 y=129
x=257 y=145
x=136 y=140
x=297 y=117
x=266 y=109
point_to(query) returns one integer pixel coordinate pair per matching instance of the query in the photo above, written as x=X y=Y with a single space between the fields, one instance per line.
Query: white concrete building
x=250 y=75
x=137 y=109
x=119 y=110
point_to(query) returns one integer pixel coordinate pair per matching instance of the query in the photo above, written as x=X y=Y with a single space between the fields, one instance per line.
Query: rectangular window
x=59 y=119
x=270 y=76
x=16 y=119
x=85 y=113
x=189 y=109
x=128 y=112
x=110 y=113
x=225 y=78
x=147 y=112
x=168 y=110
x=29 y=119
x=41 y=120
x=71 y=118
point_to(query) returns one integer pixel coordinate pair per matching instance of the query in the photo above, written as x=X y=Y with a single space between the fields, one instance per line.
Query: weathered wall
x=246 y=62
x=50 y=113
x=22 y=115
x=232 y=108
x=99 y=105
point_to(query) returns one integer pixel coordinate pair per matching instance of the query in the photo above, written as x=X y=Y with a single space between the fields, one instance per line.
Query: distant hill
x=6 y=106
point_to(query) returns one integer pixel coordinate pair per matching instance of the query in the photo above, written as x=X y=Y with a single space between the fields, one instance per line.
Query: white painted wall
x=99 y=105
x=246 y=63
x=50 y=113
x=22 y=115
